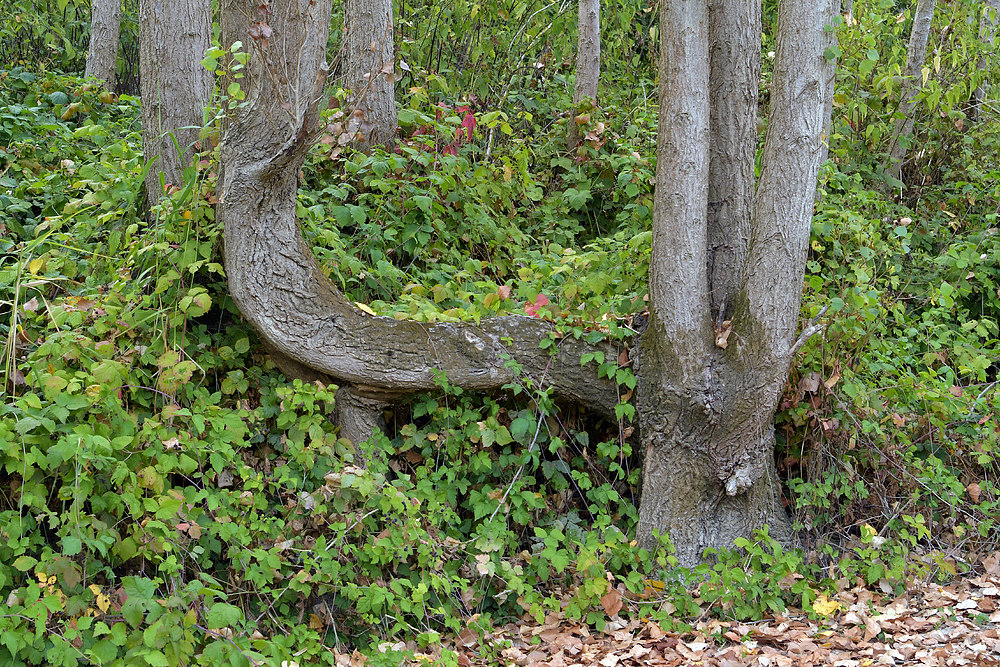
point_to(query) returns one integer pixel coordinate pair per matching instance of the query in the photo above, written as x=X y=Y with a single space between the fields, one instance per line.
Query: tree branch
x=808 y=332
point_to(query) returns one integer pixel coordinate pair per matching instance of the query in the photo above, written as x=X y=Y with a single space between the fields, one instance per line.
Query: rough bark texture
x=102 y=55
x=988 y=24
x=173 y=38
x=707 y=397
x=359 y=416
x=916 y=54
x=824 y=151
x=588 y=60
x=279 y=287
x=368 y=55
x=734 y=33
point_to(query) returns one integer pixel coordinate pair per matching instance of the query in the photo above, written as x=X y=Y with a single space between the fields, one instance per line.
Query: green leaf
x=25 y=563
x=223 y=615
x=27 y=424
x=71 y=545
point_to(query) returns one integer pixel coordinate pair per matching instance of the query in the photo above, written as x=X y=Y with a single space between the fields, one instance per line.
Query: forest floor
x=929 y=624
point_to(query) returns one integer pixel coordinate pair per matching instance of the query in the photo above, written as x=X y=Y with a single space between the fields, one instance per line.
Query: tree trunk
x=987 y=36
x=102 y=55
x=707 y=392
x=735 y=37
x=916 y=54
x=359 y=417
x=279 y=288
x=369 y=69
x=175 y=88
x=588 y=62
x=831 y=88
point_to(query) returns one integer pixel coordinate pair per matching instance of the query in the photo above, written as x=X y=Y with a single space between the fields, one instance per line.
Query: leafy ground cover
x=167 y=497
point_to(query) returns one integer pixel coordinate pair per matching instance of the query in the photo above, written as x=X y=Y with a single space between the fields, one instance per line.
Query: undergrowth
x=168 y=497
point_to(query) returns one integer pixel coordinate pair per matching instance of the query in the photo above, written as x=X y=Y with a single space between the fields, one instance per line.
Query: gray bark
x=830 y=91
x=102 y=54
x=280 y=289
x=916 y=54
x=173 y=38
x=369 y=67
x=706 y=402
x=734 y=34
x=588 y=61
x=359 y=417
x=988 y=24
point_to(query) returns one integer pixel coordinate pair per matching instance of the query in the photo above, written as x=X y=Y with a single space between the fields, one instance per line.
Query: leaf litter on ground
x=929 y=624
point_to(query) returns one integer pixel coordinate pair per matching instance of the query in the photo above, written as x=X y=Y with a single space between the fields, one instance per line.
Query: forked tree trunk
x=988 y=24
x=588 y=61
x=369 y=69
x=173 y=38
x=102 y=55
x=707 y=396
x=708 y=391
x=916 y=54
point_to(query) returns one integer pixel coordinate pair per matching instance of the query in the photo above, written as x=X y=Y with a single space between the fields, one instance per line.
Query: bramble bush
x=168 y=497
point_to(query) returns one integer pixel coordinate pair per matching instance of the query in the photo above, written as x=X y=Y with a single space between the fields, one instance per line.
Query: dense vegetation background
x=168 y=497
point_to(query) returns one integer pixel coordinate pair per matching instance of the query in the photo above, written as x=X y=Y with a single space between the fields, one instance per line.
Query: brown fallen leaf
x=612 y=602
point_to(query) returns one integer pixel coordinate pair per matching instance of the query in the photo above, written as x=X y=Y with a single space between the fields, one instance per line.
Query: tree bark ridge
x=173 y=38
x=105 y=28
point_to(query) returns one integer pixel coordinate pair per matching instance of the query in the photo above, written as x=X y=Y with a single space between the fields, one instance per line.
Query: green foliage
x=872 y=57
x=37 y=33
x=169 y=498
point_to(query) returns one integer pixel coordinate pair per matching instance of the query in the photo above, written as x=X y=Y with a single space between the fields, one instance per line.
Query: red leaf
x=469 y=123
x=533 y=308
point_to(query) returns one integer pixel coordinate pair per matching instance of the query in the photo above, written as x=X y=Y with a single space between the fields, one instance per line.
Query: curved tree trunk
x=708 y=391
x=102 y=55
x=279 y=288
x=916 y=54
x=987 y=35
x=173 y=38
x=588 y=61
x=369 y=69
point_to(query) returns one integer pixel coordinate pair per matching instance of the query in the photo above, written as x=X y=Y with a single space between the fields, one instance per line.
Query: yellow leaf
x=824 y=606
x=35 y=265
x=364 y=307
x=103 y=602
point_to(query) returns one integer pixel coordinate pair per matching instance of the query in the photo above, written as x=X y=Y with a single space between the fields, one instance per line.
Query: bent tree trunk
x=916 y=54
x=368 y=69
x=708 y=390
x=102 y=55
x=588 y=61
x=278 y=286
x=173 y=38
